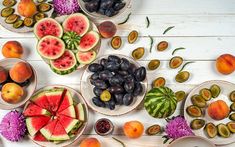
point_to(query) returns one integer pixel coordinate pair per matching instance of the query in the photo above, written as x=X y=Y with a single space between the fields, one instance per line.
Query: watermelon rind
x=35 y=98
x=72 y=40
x=66 y=101
x=80 y=112
x=47 y=130
x=71 y=125
x=70 y=112
x=96 y=35
x=32 y=131
x=84 y=54
x=75 y=129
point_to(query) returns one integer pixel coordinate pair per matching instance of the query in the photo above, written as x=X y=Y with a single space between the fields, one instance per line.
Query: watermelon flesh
x=39 y=137
x=89 y=41
x=34 y=124
x=70 y=112
x=67 y=122
x=34 y=110
x=54 y=98
x=66 y=102
x=59 y=133
x=40 y=99
x=80 y=113
x=86 y=57
x=47 y=130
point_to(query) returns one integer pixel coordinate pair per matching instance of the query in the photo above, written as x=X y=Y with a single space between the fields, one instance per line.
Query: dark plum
x=129 y=78
x=116 y=80
x=95 y=67
x=86 y=0
x=25 y=83
x=101 y=11
x=138 y=89
x=132 y=68
x=1 y=85
x=106 y=4
x=110 y=104
x=92 y=6
x=110 y=12
x=112 y=66
x=118 y=6
x=113 y=58
x=122 y=72
x=98 y=102
x=128 y=99
x=116 y=89
x=118 y=99
x=95 y=76
x=125 y=64
x=105 y=75
x=92 y=81
x=140 y=74
x=97 y=91
x=129 y=86
x=100 y=84
x=103 y=62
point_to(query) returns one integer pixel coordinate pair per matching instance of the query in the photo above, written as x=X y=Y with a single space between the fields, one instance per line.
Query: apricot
x=3 y=75
x=225 y=64
x=133 y=129
x=20 y=72
x=218 y=110
x=90 y=142
x=12 y=49
x=12 y=93
x=27 y=8
x=107 y=29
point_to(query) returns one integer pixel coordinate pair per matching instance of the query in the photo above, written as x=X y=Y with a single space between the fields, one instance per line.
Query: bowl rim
x=34 y=87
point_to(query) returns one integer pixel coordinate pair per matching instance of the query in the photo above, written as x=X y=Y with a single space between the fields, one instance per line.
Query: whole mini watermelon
x=160 y=102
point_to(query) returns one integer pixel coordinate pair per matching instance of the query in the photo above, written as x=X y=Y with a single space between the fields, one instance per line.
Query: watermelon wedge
x=34 y=110
x=67 y=122
x=66 y=102
x=80 y=113
x=54 y=98
x=59 y=133
x=48 y=129
x=39 y=137
x=40 y=99
x=70 y=112
x=34 y=124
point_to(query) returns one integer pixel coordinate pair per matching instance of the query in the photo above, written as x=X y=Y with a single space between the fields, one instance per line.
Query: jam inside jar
x=103 y=127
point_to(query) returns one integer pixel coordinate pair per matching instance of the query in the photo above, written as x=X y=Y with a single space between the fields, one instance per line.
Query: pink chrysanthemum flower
x=66 y=7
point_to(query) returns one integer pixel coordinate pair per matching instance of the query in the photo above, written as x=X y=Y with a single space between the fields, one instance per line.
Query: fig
x=116 y=42
x=215 y=90
x=232 y=107
x=223 y=130
x=182 y=77
x=153 y=130
x=138 y=53
x=7 y=12
x=232 y=96
x=232 y=116
x=163 y=45
x=154 y=64
x=175 y=62
x=159 y=82
x=206 y=94
x=180 y=95
x=197 y=100
x=231 y=126
x=12 y=18
x=28 y=22
x=18 y=24
x=39 y=16
x=211 y=130
x=105 y=96
x=133 y=36
x=9 y=3
x=197 y=124
x=194 y=111
x=44 y=7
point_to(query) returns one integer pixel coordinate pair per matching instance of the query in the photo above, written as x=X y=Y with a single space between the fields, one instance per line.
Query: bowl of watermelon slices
x=55 y=116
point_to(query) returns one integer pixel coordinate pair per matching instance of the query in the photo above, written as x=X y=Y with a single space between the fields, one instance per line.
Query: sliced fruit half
x=66 y=102
x=59 y=133
x=67 y=122
x=34 y=124
x=86 y=57
x=40 y=99
x=34 y=110
x=50 y=47
x=89 y=41
x=70 y=112
x=80 y=112
x=39 y=137
x=47 y=130
x=54 y=98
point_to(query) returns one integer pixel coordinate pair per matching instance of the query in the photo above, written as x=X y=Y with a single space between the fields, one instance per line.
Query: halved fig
x=175 y=62
x=231 y=126
x=180 y=95
x=232 y=106
x=159 y=82
x=211 y=130
x=44 y=7
x=215 y=90
x=153 y=130
x=232 y=116
x=28 y=22
x=182 y=76
x=198 y=101
x=133 y=36
x=9 y=3
x=116 y=42
x=154 y=64
x=12 y=18
x=194 y=111
x=197 y=124
x=232 y=96
x=7 y=12
x=206 y=94
x=138 y=53
x=223 y=130
x=18 y=24
x=163 y=45
x=39 y=16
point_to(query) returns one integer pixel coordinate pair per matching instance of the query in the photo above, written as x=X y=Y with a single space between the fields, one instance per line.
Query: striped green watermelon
x=160 y=102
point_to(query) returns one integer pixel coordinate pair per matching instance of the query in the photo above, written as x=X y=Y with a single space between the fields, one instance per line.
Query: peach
x=27 y=8
x=90 y=142
x=3 y=75
x=12 y=49
x=133 y=129
x=225 y=64
x=218 y=110
x=107 y=29
x=20 y=72
x=12 y=93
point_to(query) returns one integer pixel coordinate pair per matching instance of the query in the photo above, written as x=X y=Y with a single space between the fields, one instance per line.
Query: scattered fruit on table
x=231 y=126
x=116 y=42
x=138 y=53
x=211 y=130
x=218 y=110
x=12 y=93
x=223 y=131
x=175 y=62
x=232 y=96
x=194 y=111
x=3 y=75
x=160 y=102
x=107 y=29
x=205 y=94
x=66 y=7
x=7 y=12
x=9 y=3
x=104 y=7
x=12 y=49
x=27 y=8
x=103 y=127
x=180 y=95
x=198 y=101
x=133 y=36
x=215 y=90
x=182 y=76
x=159 y=82
x=153 y=130
x=154 y=64
x=117 y=81
x=52 y=115
x=20 y=72
x=225 y=64
x=133 y=129
x=90 y=142
x=197 y=124
x=13 y=126
x=232 y=116
x=163 y=45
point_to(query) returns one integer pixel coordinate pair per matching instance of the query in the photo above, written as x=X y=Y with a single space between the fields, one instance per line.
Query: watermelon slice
x=48 y=129
x=67 y=122
x=59 y=133
x=34 y=110
x=54 y=98
x=70 y=112
x=80 y=113
x=89 y=41
x=39 y=137
x=40 y=99
x=66 y=102
x=34 y=124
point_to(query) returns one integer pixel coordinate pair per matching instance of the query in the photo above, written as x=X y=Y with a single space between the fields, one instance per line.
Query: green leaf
x=184 y=66
x=148 y=22
x=151 y=43
x=119 y=141
x=125 y=19
x=168 y=29
x=175 y=50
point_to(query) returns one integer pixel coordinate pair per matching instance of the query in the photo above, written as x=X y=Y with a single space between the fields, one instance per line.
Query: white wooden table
x=204 y=28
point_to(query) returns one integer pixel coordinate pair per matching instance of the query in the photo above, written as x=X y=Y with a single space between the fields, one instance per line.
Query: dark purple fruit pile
x=104 y=7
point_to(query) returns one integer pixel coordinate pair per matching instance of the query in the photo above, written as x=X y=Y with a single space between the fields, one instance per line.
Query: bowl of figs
x=114 y=84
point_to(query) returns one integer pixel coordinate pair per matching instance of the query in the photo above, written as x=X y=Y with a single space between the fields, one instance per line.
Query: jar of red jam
x=104 y=127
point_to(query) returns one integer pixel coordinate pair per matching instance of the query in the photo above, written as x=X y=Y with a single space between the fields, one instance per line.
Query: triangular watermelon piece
x=54 y=98
x=34 y=124
x=70 y=112
x=48 y=129
x=80 y=112
x=66 y=102
x=67 y=122
x=40 y=99
x=59 y=133
x=39 y=137
x=34 y=110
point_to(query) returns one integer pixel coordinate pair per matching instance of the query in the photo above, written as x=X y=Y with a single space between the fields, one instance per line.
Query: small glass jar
x=103 y=127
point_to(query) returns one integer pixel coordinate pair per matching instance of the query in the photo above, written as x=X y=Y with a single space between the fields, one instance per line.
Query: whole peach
x=107 y=29
x=12 y=93
x=133 y=129
x=218 y=110
x=225 y=64
x=3 y=75
x=20 y=72
x=27 y=8
x=90 y=142
x=12 y=49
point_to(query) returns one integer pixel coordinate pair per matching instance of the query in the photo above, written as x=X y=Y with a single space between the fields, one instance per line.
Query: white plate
x=87 y=92
x=77 y=98
x=226 y=89
x=22 y=29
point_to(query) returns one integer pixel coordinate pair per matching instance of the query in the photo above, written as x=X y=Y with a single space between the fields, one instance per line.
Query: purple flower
x=66 y=7
x=13 y=126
